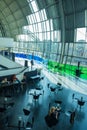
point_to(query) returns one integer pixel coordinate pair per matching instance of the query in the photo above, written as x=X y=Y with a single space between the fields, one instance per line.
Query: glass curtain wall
x=42 y=37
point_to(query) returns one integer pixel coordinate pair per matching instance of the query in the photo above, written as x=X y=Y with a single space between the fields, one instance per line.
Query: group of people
x=53 y=116
x=15 y=82
x=54 y=112
x=14 y=79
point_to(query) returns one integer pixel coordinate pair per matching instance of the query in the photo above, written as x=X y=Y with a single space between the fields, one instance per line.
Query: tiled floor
x=39 y=109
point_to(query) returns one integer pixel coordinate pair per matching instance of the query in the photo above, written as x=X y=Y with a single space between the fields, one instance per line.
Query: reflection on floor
x=28 y=110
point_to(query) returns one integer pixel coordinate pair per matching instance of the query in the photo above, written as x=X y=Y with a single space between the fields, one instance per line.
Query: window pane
x=43 y=15
x=37 y=17
x=40 y=36
x=52 y=57
x=81 y=34
x=44 y=26
x=54 y=47
x=51 y=24
x=59 y=47
x=70 y=50
x=34 y=6
x=39 y=27
x=48 y=36
x=66 y=50
x=47 y=25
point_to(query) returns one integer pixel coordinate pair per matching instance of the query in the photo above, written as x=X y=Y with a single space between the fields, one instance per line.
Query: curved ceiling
x=13 y=16
x=71 y=14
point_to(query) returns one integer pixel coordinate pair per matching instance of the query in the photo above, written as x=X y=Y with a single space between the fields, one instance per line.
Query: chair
x=48 y=85
x=80 y=102
x=72 y=117
x=26 y=112
x=40 y=87
x=29 y=125
x=36 y=97
x=59 y=84
x=41 y=78
x=60 y=88
x=52 y=89
x=58 y=101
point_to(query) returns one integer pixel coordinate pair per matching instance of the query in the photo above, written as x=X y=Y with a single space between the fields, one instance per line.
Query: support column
x=13 y=56
x=26 y=63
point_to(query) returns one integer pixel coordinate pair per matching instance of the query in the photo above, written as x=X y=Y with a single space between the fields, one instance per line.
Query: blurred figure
x=32 y=63
x=72 y=117
x=73 y=97
x=52 y=117
x=53 y=112
x=16 y=84
x=4 y=80
x=23 y=82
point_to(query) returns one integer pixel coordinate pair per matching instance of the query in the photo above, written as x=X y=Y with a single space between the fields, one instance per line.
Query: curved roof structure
x=50 y=26
x=68 y=14
x=13 y=16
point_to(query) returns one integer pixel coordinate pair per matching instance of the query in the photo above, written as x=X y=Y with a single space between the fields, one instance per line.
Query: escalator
x=5 y=62
x=9 y=67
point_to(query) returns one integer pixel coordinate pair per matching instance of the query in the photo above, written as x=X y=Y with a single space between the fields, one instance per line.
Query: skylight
x=43 y=15
x=34 y=6
x=37 y=17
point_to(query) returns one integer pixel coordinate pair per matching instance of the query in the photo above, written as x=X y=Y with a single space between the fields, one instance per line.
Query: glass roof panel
x=47 y=25
x=34 y=6
x=37 y=16
x=43 y=15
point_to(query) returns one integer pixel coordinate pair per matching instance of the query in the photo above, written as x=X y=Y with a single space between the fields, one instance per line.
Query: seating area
x=8 y=77
x=43 y=64
x=9 y=85
x=29 y=109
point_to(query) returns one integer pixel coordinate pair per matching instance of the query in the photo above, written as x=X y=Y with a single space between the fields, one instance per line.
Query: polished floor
x=39 y=108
